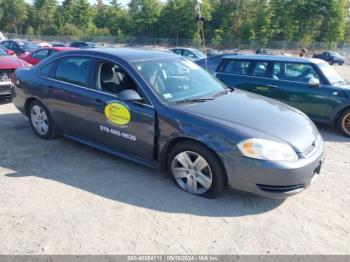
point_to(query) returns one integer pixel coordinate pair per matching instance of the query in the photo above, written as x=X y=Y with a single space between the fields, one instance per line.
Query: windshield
x=332 y=75
x=3 y=51
x=178 y=79
x=335 y=54
x=28 y=46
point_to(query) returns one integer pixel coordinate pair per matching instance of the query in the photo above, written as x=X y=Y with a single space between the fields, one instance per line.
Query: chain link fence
x=227 y=45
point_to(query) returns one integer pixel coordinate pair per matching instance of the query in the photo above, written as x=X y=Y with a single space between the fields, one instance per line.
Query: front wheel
x=331 y=62
x=196 y=170
x=40 y=120
x=343 y=123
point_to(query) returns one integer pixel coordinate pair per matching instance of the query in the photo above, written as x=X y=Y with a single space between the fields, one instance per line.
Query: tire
x=343 y=123
x=331 y=62
x=40 y=120
x=341 y=63
x=206 y=178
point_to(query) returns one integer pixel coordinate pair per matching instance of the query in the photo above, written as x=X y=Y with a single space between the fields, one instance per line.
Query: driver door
x=125 y=127
x=291 y=86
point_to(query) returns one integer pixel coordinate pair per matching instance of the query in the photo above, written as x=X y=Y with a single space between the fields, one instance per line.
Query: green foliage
x=226 y=21
x=144 y=15
x=14 y=15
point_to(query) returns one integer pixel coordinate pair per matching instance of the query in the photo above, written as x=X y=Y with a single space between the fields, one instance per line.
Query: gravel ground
x=60 y=197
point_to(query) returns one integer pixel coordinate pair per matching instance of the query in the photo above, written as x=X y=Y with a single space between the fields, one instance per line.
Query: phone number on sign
x=117 y=133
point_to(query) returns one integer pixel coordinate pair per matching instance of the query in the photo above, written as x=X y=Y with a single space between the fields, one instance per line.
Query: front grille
x=5 y=75
x=279 y=189
x=5 y=82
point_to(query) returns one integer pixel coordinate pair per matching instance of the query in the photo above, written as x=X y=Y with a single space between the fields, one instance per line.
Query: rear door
x=125 y=127
x=235 y=73
x=65 y=83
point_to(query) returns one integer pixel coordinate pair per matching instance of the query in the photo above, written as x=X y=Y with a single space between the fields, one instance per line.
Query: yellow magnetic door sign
x=118 y=114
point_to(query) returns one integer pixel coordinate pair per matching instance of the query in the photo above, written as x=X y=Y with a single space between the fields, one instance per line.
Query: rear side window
x=74 y=70
x=260 y=69
x=237 y=67
x=45 y=70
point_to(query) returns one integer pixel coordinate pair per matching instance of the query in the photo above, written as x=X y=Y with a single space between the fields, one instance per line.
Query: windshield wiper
x=194 y=100
x=225 y=91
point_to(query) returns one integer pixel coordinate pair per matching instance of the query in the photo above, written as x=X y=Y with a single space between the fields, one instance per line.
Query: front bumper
x=5 y=88
x=274 y=179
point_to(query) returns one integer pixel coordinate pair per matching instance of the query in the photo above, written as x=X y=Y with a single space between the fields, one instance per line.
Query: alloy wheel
x=346 y=124
x=192 y=172
x=39 y=120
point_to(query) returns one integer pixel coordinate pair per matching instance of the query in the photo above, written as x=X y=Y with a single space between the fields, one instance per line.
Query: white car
x=2 y=37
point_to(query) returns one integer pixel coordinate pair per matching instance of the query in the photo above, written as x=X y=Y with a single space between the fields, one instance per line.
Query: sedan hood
x=269 y=117
x=11 y=62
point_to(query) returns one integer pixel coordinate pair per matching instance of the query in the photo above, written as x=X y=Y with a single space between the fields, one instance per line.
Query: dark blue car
x=159 y=109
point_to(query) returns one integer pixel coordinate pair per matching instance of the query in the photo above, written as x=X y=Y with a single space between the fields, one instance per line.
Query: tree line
x=303 y=21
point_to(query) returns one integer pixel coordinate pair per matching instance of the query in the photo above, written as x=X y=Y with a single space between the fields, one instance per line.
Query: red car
x=42 y=53
x=8 y=64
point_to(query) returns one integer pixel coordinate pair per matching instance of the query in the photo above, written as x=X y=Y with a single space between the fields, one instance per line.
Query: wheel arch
x=164 y=154
x=29 y=101
x=339 y=113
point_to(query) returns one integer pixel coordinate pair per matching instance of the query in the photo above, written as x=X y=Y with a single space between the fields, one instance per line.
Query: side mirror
x=314 y=82
x=130 y=95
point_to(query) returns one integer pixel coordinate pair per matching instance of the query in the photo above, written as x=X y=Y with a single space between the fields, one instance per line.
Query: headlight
x=267 y=150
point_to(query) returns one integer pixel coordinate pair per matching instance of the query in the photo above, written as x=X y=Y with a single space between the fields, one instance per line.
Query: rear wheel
x=343 y=123
x=40 y=120
x=196 y=169
x=341 y=63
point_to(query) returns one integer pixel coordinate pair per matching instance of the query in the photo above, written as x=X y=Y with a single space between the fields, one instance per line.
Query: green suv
x=311 y=85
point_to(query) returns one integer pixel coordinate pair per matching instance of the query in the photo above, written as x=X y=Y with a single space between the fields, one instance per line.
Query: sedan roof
x=129 y=54
x=276 y=58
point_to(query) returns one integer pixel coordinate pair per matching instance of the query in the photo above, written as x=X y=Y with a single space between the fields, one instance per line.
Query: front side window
x=113 y=79
x=295 y=72
x=178 y=79
x=237 y=67
x=74 y=70
x=41 y=54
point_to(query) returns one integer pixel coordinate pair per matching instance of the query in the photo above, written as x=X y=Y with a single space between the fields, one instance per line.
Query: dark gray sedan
x=159 y=109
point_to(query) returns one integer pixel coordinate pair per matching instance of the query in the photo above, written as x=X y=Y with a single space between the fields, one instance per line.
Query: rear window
x=237 y=67
x=74 y=70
